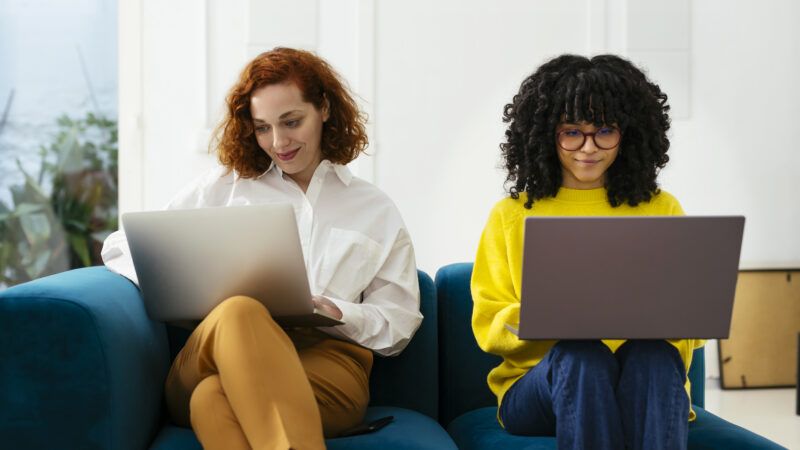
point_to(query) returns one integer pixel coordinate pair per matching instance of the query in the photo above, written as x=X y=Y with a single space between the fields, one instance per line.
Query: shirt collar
x=344 y=174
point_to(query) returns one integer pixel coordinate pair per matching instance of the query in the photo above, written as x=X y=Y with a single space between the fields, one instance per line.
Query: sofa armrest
x=81 y=364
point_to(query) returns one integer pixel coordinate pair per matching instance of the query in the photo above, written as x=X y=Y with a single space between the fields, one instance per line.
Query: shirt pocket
x=349 y=263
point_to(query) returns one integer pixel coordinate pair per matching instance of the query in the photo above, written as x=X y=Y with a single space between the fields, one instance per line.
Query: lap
x=527 y=408
x=339 y=375
x=338 y=371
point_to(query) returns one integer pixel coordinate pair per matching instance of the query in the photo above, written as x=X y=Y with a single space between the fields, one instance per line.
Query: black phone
x=370 y=427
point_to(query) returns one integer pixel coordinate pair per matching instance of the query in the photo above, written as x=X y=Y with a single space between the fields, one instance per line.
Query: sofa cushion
x=712 y=432
x=479 y=429
x=172 y=437
x=410 y=430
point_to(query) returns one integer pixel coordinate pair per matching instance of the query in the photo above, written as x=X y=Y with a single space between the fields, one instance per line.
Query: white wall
x=177 y=60
x=738 y=153
x=445 y=69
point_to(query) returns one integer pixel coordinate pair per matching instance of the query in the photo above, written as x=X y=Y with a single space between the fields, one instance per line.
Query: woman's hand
x=327 y=306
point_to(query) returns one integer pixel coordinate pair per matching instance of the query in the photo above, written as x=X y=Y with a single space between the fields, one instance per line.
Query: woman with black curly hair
x=585 y=137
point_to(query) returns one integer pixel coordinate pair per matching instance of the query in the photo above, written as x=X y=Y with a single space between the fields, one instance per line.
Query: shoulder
x=508 y=211
x=365 y=196
x=207 y=189
x=665 y=203
x=367 y=190
x=508 y=206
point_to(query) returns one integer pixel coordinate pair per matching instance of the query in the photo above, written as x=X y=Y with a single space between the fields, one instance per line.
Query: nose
x=279 y=139
x=589 y=145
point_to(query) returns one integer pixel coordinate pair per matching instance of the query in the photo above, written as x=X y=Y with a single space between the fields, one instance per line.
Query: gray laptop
x=629 y=277
x=188 y=261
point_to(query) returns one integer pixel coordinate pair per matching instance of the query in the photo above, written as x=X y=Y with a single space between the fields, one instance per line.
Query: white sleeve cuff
x=353 y=318
x=116 y=256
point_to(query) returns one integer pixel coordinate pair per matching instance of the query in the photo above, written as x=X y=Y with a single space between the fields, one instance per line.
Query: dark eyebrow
x=283 y=116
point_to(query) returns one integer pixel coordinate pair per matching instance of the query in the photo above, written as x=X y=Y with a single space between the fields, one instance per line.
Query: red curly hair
x=343 y=134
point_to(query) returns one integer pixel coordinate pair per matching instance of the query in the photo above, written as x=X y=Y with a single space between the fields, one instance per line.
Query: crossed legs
x=240 y=382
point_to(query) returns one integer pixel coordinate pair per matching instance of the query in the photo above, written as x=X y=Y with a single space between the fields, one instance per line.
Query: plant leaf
x=36 y=227
x=38 y=265
x=80 y=247
x=27 y=208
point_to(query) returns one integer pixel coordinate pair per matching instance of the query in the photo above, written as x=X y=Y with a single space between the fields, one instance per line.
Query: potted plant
x=59 y=219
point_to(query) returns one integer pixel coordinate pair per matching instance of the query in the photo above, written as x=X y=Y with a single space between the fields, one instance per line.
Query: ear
x=326 y=108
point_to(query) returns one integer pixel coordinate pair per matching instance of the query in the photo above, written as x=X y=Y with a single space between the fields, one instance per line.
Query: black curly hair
x=605 y=89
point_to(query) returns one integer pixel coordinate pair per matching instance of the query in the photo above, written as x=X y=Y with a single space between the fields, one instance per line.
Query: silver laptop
x=629 y=277
x=188 y=261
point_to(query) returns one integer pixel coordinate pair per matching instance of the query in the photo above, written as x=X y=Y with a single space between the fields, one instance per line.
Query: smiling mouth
x=287 y=156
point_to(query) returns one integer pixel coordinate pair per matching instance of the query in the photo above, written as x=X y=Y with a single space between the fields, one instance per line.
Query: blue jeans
x=591 y=398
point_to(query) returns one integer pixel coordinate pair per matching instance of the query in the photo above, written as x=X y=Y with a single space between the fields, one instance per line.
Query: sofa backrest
x=409 y=380
x=463 y=366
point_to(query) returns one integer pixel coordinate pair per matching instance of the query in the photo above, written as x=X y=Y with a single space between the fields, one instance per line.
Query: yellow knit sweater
x=497 y=277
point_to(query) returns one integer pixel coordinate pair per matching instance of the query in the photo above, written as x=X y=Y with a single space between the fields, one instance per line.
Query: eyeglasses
x=573 y=139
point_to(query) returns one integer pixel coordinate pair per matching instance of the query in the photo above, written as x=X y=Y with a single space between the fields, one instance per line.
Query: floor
x=768 y=412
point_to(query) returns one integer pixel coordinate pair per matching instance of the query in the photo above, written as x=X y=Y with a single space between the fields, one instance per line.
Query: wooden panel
x=762 y=348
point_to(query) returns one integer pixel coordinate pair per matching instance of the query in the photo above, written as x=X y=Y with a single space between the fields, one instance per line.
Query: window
x=58 y=135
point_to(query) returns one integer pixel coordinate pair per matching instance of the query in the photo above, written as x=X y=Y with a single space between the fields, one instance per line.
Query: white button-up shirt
x=357 y=250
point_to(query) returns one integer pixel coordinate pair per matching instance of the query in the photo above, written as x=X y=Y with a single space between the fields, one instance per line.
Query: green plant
x=59 y=219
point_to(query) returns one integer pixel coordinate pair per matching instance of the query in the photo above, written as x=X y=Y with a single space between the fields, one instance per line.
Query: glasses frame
x=583 y=142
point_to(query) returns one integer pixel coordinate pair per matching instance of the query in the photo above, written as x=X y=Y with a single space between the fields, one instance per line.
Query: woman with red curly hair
x=242 y=381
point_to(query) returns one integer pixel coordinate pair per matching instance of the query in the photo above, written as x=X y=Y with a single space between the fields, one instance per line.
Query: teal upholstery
x=409 y=431
x=411 y=379
x=82 y=366
x=468 y=408
x=479 y=429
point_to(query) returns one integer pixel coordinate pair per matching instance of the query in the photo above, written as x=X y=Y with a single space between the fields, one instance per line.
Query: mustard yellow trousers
x=241 y=382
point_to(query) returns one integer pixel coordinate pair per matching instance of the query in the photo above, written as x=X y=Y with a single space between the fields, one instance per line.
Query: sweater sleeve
x=495 y=301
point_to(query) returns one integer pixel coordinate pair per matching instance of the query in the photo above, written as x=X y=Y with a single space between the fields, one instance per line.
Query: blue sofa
x=82 y=366
x=468 y=408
